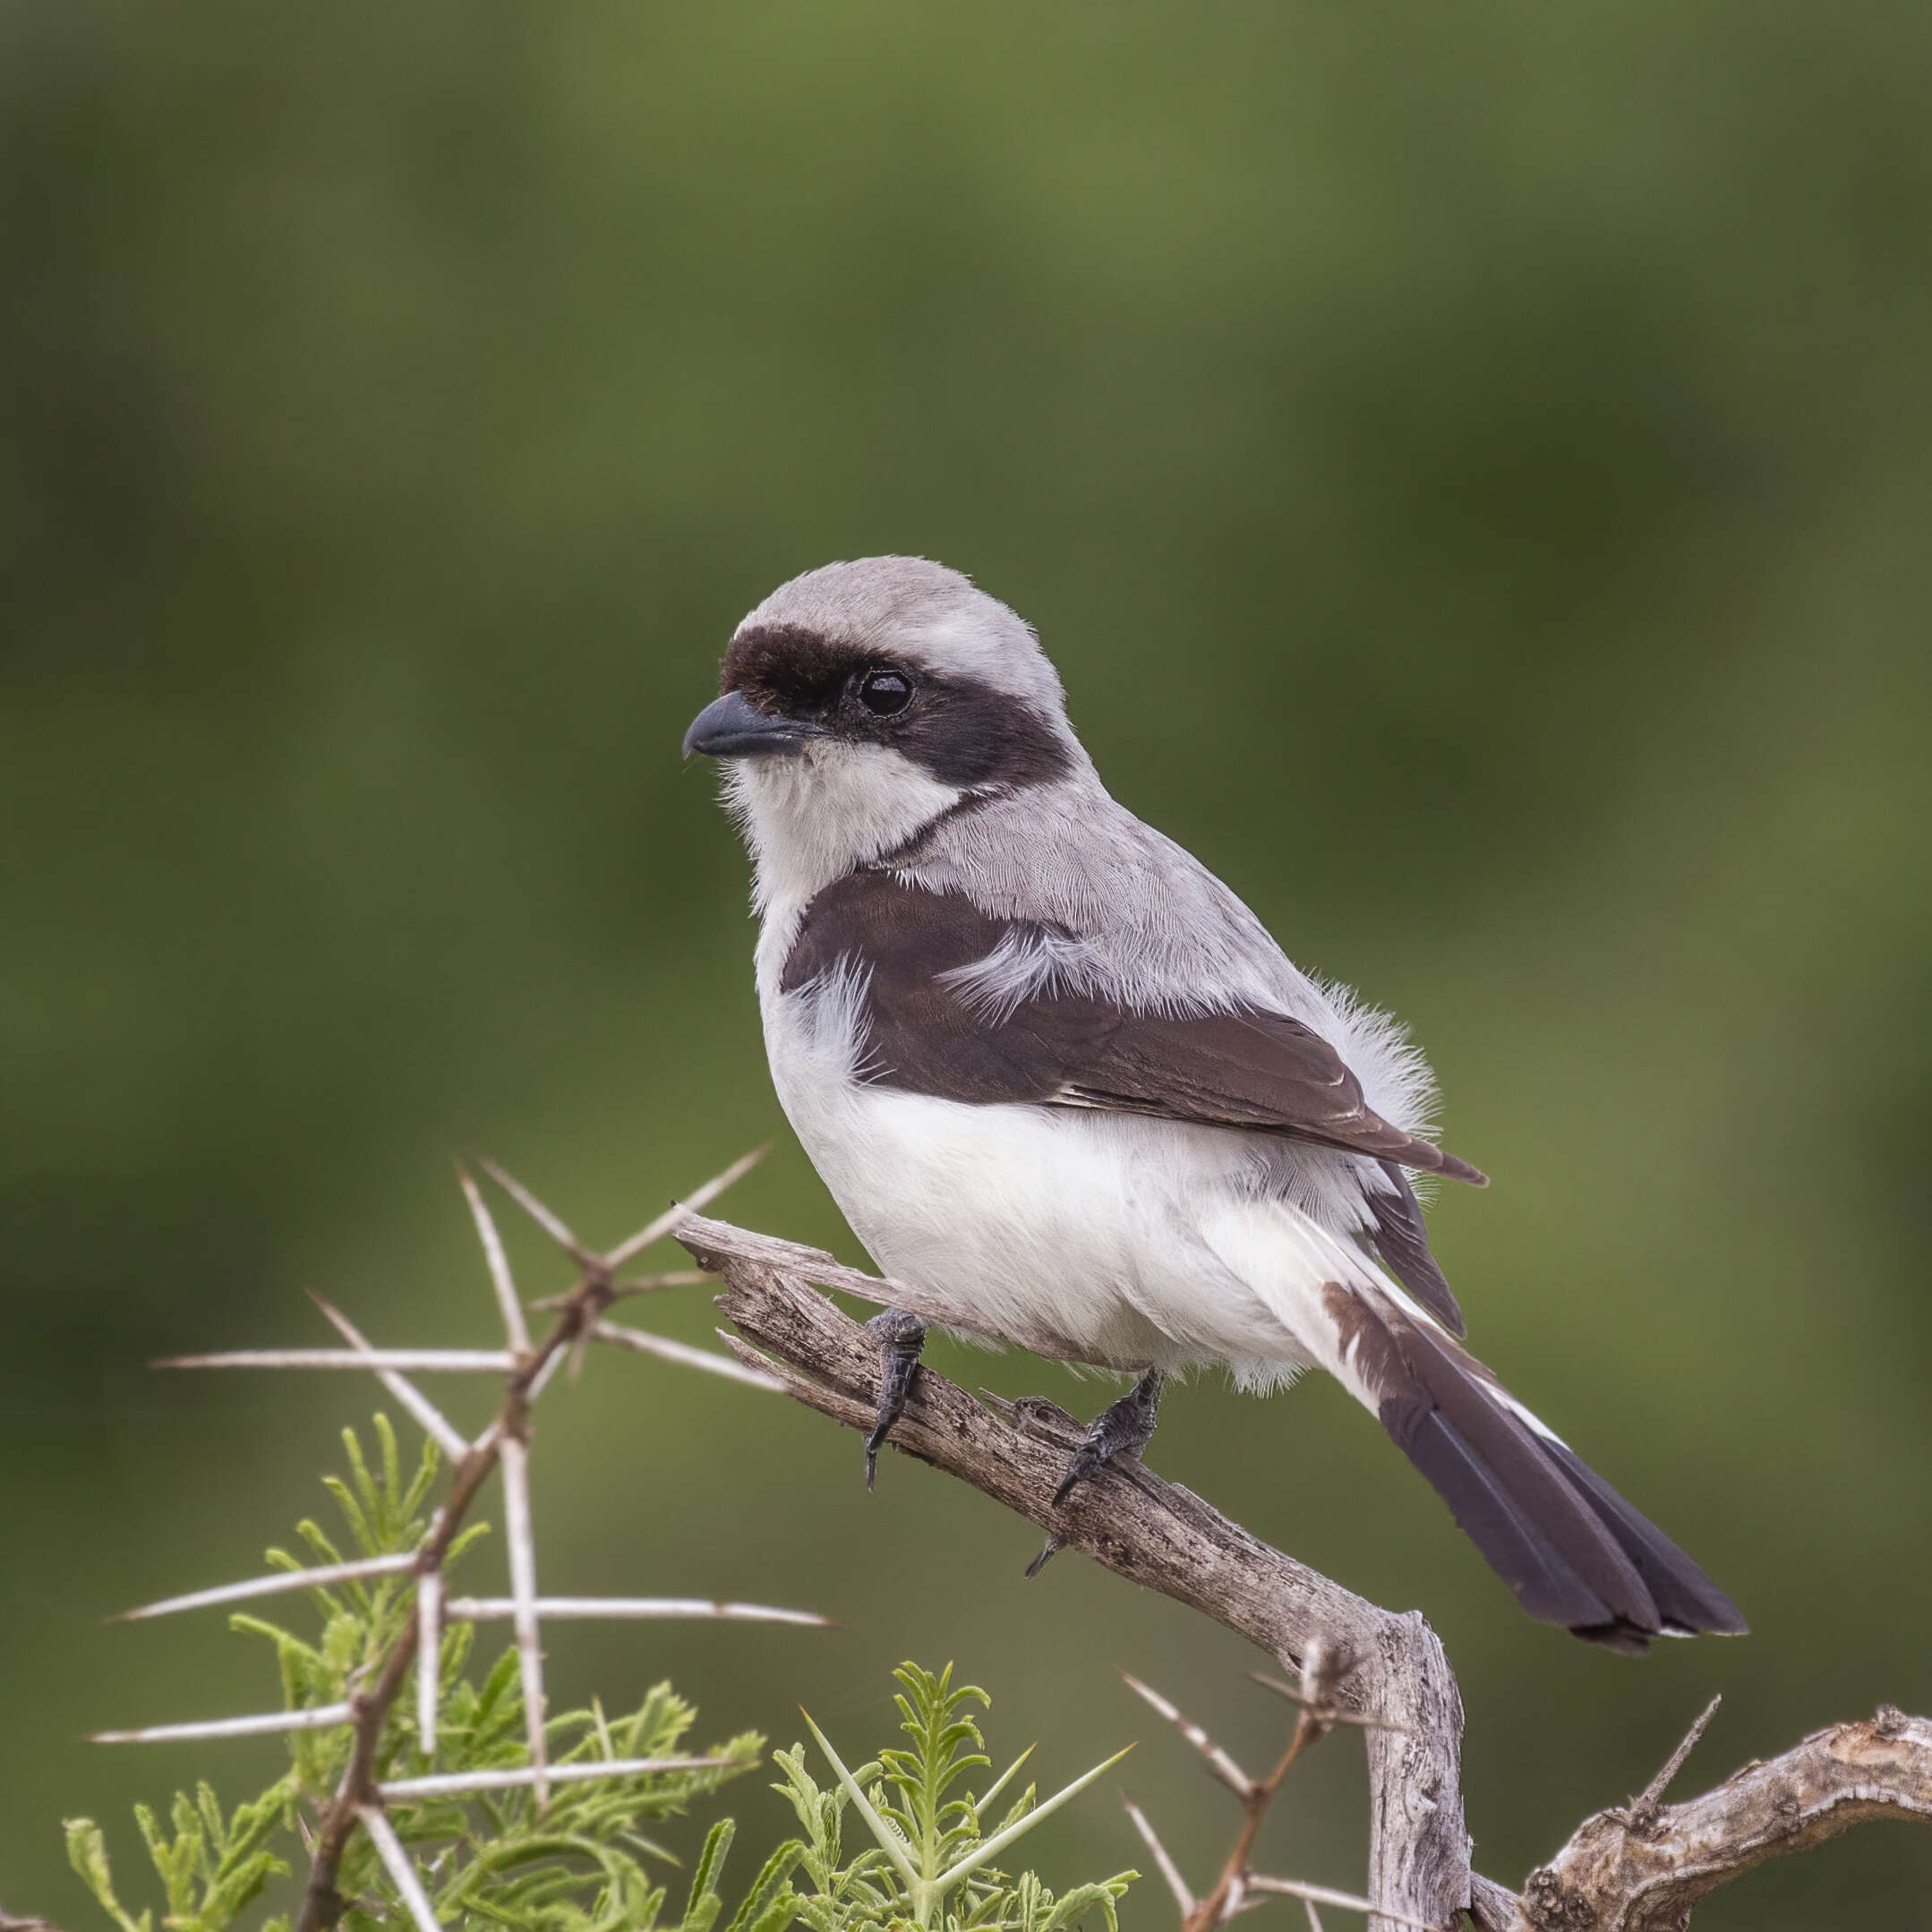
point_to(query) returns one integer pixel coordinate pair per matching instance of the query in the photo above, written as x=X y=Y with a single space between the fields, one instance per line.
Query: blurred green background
x=1473 y=468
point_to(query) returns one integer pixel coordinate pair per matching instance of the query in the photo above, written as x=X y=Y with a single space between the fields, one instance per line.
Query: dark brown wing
x=1401 y=1243
x=1259 y=1071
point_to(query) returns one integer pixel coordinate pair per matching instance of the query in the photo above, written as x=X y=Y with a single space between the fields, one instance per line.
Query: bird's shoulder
x=888 y=925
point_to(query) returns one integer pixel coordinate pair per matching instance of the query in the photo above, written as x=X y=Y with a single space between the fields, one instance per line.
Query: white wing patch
x=1025 y=965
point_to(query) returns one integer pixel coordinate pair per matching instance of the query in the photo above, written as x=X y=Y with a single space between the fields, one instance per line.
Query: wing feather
x=1261 y=1072
x=1401 y=1244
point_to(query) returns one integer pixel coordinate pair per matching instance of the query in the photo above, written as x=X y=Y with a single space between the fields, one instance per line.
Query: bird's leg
x=1124 y=1430
x=899 y=1337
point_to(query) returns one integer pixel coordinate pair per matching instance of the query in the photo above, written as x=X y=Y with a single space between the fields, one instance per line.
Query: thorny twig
x=1324 y=1670
x=401 y=1867
x=1163 y=1861
x=1638 y=1869
x=1646 y=1812
x=504 y=1445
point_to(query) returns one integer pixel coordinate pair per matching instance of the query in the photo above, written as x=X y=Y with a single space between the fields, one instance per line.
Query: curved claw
x=875 y=1442
x=1126 y=1429
x=900 y=1337
x=1086 y=1462
x=1047 y=1551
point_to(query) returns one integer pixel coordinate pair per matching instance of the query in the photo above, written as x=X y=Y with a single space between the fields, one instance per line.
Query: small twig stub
x=1644 y=1812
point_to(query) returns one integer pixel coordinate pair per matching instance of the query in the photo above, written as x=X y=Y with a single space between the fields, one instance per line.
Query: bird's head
x=862 y=700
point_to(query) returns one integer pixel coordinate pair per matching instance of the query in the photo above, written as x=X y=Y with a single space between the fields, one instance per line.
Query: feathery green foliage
x=579 y=1864
x=931 y=1861
x=496 y=1861
x=210 y=1870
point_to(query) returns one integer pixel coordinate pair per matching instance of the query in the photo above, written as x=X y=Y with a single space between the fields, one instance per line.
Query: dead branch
x=1642 y=1870
x=1320 y=1710
x=1635 y=1868
x=1639 y=1869
x=1151 y=1532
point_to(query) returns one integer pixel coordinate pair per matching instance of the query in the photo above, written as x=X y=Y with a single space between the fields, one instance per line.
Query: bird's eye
x=884 y=692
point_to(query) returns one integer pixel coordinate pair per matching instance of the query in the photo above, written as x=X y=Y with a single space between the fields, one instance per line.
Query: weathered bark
x=1644 y=1868
x=1151 y=1532
x=1636 y=1869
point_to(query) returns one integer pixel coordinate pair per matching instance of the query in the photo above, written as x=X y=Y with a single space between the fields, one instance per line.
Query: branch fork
x=1636 y=1869
x=1320 y=1710
x=1131 y=1521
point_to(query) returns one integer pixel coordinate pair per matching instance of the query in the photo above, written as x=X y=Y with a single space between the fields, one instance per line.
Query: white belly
x=1077 y=1233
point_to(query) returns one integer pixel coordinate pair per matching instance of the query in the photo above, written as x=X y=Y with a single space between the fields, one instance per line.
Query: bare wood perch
x=1643 y=1870
x=1150 y=1531
x=1639 y=1869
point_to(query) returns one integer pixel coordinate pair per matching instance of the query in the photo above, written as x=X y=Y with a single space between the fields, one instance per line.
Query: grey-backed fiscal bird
x=1058 y=1076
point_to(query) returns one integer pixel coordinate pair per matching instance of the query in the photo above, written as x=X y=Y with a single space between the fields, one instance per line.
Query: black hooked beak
x=733 y=727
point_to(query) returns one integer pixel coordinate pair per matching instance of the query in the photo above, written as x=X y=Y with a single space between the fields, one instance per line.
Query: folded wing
x=1258 y=1070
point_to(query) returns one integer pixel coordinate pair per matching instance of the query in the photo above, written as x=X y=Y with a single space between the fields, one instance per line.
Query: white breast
x=1079 y=1234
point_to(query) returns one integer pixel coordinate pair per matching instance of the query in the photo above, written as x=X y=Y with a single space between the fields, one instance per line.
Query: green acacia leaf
x=87 y=1853
x=710 y=1866
x=463 y=1543
x=429 y=1465
x=311 y=1533
x=773 y=1879
x=367 y=1493
x=248 y=1829
x=352 y=1514
x=889 y=1840
x=985 y=1852
x=239 y=1889
x=392 y=1467
x=782 y=1910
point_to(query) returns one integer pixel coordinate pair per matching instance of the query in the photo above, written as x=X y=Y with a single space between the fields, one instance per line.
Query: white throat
x=811 y=818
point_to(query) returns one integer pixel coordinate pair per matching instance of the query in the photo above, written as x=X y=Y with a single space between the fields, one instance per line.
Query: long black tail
x=1571 y=1548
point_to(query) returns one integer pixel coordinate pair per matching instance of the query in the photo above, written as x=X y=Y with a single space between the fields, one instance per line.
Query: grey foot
x=899 y=1337
x=1124 y=1430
